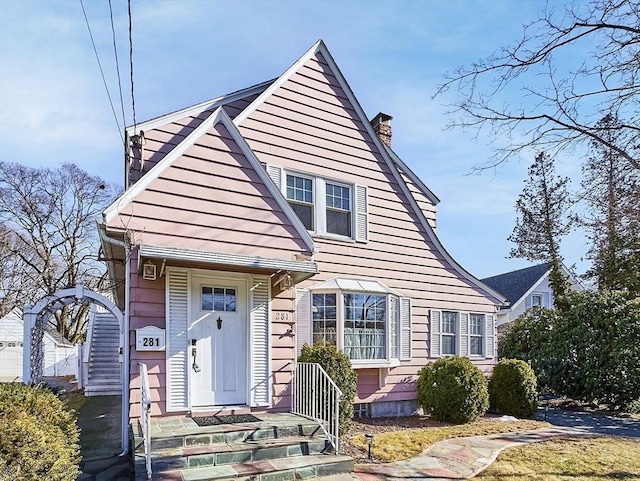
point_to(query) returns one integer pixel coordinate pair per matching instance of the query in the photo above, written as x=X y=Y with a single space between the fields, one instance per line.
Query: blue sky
x=54 y=107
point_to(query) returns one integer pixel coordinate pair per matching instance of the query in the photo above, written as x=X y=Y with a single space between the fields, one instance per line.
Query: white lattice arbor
x=37 y=316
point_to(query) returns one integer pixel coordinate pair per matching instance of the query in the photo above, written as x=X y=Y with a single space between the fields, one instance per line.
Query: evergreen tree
x=612 y=192
x=542 y=220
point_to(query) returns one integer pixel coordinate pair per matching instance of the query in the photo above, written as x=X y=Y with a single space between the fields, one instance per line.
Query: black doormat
x=231 y=419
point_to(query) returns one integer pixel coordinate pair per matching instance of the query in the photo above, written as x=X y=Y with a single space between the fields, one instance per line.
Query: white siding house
x=60 y=356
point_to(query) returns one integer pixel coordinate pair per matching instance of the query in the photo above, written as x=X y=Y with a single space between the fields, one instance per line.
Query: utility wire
x=115 y=53
x=133 y=101
x=101 y=71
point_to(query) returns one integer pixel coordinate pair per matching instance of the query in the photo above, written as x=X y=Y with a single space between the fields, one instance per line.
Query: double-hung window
x=476 y=330
x=371 y=326
x=449 y=333
x=455 y=333
x=325 y=207
x=301 y=199
x=339 y=207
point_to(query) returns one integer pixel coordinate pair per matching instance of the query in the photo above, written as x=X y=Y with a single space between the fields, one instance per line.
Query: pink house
x=275 y=216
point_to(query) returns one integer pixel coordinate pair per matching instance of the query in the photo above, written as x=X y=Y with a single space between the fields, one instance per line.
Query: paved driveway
x=592 y=423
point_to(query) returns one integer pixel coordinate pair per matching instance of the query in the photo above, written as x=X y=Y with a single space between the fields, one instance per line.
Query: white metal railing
x=145 y=415
x=316 y=396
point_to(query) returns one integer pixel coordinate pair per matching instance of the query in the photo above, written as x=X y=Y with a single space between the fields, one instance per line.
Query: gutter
x=124 y=415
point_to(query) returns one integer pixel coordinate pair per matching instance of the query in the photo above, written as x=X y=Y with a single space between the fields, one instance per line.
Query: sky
x=54 y=107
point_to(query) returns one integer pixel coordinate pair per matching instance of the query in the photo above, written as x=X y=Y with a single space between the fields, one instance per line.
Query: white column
x=29 y=321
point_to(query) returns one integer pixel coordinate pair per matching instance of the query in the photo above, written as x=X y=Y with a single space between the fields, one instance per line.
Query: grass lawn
x=398 y=445
x=562 y=459
x=592 y=459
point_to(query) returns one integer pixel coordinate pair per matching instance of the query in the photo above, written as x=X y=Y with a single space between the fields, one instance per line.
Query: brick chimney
x=381 y=124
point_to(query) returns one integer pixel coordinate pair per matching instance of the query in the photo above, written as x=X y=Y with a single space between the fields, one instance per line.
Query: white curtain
x=364 y=343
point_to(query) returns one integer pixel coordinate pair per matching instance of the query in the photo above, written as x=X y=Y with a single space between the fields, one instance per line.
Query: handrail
x=89 y=338
x=145 y=415
x=317 y=397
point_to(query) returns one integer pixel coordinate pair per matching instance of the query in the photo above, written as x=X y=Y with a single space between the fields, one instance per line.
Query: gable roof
x=514 y=285
x=217 y=116
x=392 y=161
x=197 y=109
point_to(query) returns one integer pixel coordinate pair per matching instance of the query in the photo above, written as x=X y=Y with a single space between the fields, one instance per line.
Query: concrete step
x=279 y=469
x=89 y=391
x=234 y=453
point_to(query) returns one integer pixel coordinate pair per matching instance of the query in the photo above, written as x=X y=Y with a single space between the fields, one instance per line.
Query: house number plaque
x=150 y=338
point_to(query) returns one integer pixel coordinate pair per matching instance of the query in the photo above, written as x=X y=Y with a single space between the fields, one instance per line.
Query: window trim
x=393 y=328
x=463 y=334
x=359 y=208
x=387 y=361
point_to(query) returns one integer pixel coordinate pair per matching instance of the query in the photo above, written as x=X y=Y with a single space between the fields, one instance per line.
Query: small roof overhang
x=354 y=285
x=298 y=269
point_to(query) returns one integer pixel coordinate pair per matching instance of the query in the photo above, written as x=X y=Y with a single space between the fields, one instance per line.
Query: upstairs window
x=300 y=197
x=338 y=210
x=325 y=207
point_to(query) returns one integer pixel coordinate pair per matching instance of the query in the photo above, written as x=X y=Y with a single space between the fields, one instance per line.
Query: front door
x=218 y=343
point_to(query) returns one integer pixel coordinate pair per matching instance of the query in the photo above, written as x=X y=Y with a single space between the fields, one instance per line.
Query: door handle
x=194 y=355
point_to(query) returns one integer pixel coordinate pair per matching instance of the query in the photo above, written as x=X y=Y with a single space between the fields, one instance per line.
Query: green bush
x=38 y=436
x=453 y=389
x=529 y=338
x=590 y=352
x=338 y=366
x=512 y=388
x=598 y=344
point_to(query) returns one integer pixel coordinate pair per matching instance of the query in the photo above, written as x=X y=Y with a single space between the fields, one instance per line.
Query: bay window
x=366 y=320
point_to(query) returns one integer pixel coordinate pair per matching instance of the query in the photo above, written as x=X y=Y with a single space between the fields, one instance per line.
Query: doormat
x=231 y=419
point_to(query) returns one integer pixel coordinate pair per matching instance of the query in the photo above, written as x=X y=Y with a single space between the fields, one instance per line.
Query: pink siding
x=308 y=125
x=160 y=141
x=211 y=199
x=146 y=308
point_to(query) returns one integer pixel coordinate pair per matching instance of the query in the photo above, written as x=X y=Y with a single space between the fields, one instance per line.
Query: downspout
x=124 y=378
x=125 y=356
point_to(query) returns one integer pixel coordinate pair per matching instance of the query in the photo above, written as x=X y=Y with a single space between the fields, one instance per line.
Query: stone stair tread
x=323 y=464
x=234 y=447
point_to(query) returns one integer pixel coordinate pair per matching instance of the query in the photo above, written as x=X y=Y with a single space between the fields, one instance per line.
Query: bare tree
x=49 y=239
x=612 y=194
x=543 y=219
x=571 y=66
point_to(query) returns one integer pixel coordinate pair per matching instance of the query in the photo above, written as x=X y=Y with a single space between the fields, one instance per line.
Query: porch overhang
x=299 y=270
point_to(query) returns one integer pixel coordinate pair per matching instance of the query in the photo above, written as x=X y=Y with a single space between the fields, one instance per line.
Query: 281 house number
x=150 y=338
x=282 y=316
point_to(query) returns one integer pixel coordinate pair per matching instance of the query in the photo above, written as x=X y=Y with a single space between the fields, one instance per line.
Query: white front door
x=218 y=342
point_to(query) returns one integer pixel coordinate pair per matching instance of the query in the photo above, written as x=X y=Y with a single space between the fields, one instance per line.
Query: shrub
x=453 y=389
x=338 y=366
x=598 y=343
x=512 y=388
x=39 y=437
x=529 y=338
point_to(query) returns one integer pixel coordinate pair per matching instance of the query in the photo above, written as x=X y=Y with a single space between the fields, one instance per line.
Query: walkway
x=458 y=458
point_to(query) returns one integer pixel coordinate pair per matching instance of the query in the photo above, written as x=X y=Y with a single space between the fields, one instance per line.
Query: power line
x=133 y=101
x=115 y=52
x=101 y=71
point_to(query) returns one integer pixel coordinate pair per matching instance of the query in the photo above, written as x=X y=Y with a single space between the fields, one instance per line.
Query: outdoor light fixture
x=149 y=271
x=369 y=438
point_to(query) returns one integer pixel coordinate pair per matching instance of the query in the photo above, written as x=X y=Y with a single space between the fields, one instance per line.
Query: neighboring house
x=526 y=288
x=272 y=217
x=60 y=356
